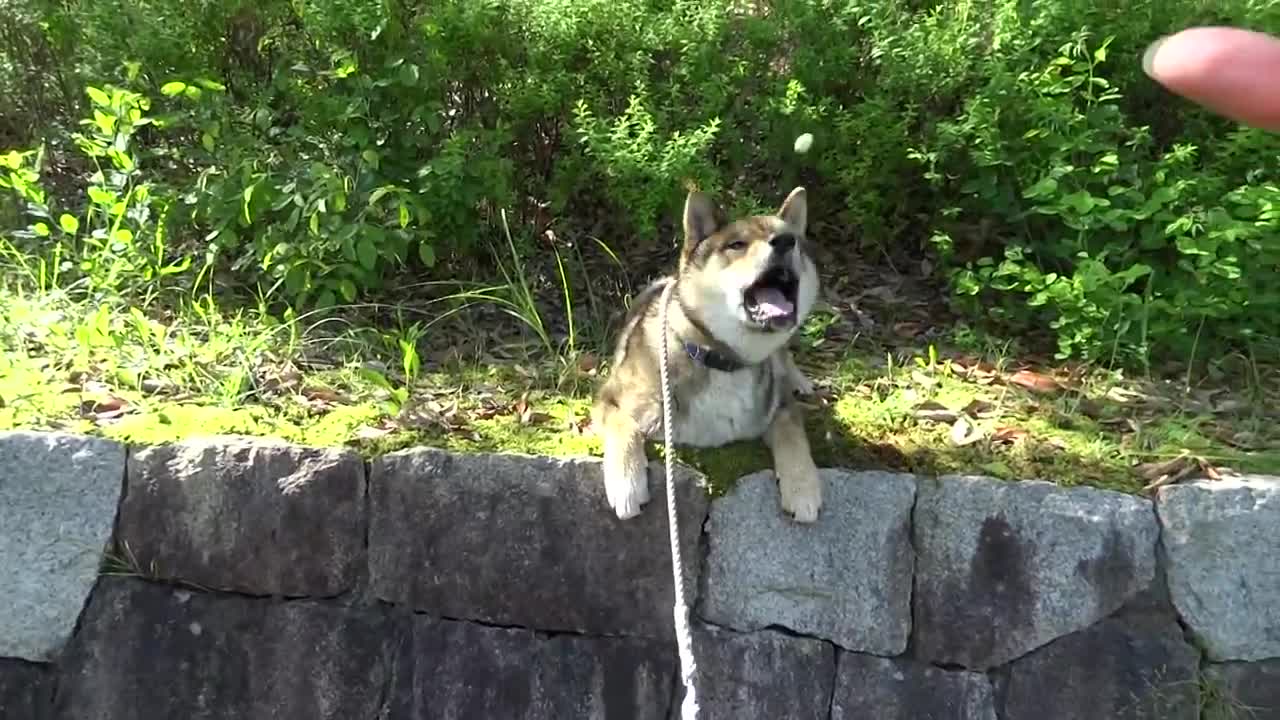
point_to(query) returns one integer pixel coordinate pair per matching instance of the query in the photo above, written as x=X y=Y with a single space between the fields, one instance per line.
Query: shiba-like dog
x=741 y=290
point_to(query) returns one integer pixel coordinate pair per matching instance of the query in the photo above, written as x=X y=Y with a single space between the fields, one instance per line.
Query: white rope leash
x=684 y=637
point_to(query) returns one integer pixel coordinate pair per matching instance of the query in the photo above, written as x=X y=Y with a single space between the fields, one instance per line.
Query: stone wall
x=243 y=579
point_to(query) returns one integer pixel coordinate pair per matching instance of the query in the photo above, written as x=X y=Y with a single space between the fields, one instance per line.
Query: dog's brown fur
x=721 y=267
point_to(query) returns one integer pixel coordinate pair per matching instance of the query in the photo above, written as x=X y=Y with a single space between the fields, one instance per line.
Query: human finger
x=1231 y=71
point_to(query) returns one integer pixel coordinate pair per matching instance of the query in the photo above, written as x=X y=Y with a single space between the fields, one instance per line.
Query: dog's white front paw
x=803 y=385
x=627 y=492
x=801 y=494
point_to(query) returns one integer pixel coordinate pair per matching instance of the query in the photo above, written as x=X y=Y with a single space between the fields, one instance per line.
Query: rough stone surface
x=872 y=687
x=1220 y=540
x=527 y=541
x=464 y=670
x=1005 y=567
x=249 y=516
x=1133 y=666
x=1243 y=691
x=764 y=675
x=845 y=578
x=149 y=651
x=25 y=690
x=58 y=499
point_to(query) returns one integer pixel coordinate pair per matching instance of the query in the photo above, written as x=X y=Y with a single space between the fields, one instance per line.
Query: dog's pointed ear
x=795 y=210
x=701 y=219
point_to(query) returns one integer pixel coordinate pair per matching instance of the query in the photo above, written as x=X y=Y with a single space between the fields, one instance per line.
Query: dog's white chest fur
x=731 y=407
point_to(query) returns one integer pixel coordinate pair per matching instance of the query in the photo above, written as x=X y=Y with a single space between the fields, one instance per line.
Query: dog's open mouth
x=771 y=300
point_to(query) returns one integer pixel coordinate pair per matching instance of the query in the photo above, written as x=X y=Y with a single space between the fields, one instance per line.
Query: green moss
x=870 y=424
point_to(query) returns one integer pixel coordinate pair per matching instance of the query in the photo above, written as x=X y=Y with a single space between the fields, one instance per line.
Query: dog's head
x=755 y=271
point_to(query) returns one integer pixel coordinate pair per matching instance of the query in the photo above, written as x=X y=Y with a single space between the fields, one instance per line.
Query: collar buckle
x=711 y=358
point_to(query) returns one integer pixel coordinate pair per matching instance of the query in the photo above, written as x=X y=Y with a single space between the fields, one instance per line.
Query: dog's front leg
x=626 y=476
x=799 y=381
x=798 y=481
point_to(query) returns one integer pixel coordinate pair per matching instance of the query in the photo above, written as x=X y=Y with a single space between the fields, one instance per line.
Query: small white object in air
x=804 y=142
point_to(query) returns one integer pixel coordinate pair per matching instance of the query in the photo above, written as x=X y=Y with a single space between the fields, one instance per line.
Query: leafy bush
x=1122 y=246
x=324 y=151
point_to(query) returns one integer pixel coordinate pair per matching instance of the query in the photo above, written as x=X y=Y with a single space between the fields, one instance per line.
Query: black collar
x=711 y=358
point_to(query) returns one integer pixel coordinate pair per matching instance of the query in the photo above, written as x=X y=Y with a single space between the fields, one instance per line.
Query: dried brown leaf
x=1009 y=434
x=935 y=412
x=1034 y=381
x=978 y=408
x=907 y=329
x=923 y=379
x=320 y=394
x=1153 y=470
x=369 y=432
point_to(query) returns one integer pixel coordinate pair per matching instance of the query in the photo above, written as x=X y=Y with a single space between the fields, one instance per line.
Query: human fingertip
x=1149 y=56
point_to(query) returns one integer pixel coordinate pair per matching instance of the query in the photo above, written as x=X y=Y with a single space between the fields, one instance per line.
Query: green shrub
x=1121 y=246
x=327 y=151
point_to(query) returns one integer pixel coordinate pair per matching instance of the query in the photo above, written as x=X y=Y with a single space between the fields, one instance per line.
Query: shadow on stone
x=526 y=541
x=26 y=690
x=869 y=687
x=464 y=670
x=1004 y=568
x=150 y=651
x=1133 y=666
x=247 y=516
x=764 y=675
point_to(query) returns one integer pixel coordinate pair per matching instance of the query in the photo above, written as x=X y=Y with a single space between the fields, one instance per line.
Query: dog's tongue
x=772 y=303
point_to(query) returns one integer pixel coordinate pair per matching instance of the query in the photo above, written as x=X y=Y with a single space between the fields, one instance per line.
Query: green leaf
x=313 y=223
x=1044 y=187
x=170 y=89
x=427 y=254
x=193 y=92
x=98 y=196
x=367 y=254
x=40 y=229
x=212 y=85
x=370 y=157
x=123 y=235
x=69 y=224
x=404 y=215
x=296 y=280
x=207 y=141
x=98 y=97
x=380 y=193
x=347 y=289
x=244 y=206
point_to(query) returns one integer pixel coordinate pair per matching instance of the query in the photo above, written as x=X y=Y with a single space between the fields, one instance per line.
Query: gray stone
x=527 y=541
x=1243 y=691
x=26 y=692
x=461 y=670
x=1128 y=667
x=900 y=689
x=845 y=578
x=58 y=500
x=150 y=651
x=1004 y=568
x=765 y=675
x=1220 y=541
x=250 y=516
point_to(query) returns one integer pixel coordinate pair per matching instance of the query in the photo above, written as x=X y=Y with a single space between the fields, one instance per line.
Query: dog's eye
x=736 y=245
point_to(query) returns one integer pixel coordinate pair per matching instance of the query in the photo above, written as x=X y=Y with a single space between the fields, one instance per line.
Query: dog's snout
x=783 y=242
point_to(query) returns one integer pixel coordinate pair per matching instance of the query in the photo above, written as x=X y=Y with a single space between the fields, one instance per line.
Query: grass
x=154 y=377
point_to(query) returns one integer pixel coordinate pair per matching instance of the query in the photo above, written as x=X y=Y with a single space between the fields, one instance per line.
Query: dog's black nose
x=782 y=243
